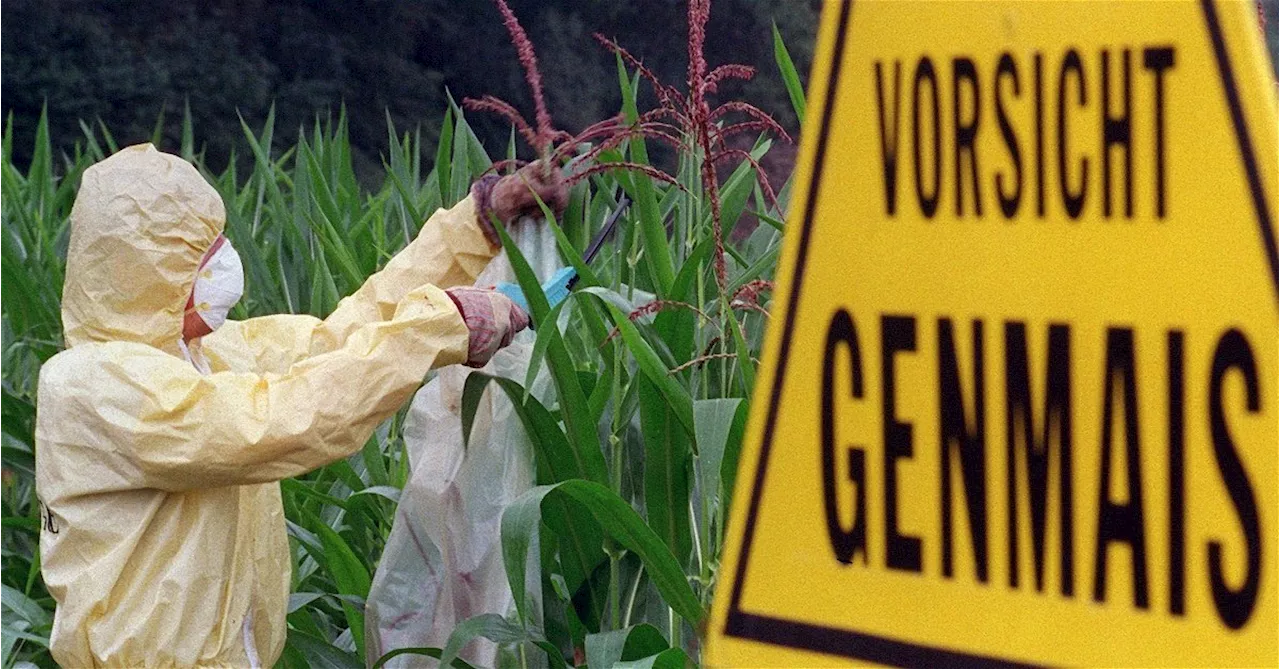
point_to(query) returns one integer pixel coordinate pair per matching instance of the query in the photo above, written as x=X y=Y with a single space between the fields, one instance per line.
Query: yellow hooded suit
x=164 y=538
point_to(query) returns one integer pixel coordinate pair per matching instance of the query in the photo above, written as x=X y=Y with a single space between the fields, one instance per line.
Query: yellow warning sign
x=1020 y=404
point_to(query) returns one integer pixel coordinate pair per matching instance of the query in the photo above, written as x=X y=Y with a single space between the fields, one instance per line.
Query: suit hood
x=141 y=222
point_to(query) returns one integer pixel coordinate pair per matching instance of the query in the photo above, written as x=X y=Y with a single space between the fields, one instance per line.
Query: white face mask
x=219 y=285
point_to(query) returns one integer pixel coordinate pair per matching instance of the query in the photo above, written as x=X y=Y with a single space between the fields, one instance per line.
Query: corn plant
x=636 y=456
x=652 y=365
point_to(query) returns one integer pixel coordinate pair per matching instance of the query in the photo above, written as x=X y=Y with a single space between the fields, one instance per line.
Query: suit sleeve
x=176 y=429
x=449 y=251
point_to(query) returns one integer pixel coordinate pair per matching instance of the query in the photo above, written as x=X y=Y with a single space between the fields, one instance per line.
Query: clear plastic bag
x=443 y=559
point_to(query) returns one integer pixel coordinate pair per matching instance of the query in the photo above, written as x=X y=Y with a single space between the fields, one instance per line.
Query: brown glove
x=510 y=197
x=492 y=318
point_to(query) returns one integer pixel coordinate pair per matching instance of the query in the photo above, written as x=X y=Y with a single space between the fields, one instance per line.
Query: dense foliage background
x=123 y=62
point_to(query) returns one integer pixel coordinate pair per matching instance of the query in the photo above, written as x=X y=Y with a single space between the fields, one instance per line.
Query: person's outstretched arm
x=156 y=422
x=452 y=248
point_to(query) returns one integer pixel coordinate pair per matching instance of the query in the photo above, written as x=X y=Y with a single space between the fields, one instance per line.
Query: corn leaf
x=417 y=650
x=444 y=149
x=23 y=607
x=555 y=459
x=616 y=519
x=676 y=327
x=631 y=643
x=714 y=420
x=745 y=364
x=460 y=176
x=351 y=577
x=651 y=364
x=666 y=470
x=790 y=77
x=737 y=188
x=491 y=626
x=672 y=658
x=320 y=654
x=657 y=251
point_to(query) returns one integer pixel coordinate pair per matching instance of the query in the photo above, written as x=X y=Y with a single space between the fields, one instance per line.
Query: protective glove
x=509 y=197
x=491 y=317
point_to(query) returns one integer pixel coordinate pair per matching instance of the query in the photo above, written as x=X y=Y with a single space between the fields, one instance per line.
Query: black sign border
x=870 y=647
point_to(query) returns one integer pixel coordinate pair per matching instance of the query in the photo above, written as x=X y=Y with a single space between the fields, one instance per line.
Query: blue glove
x=556 y=289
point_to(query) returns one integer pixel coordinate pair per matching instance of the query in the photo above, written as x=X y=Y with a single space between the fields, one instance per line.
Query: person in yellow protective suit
x=160 y=445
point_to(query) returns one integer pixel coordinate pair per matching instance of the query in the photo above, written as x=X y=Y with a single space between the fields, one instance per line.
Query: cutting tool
x=558 y=287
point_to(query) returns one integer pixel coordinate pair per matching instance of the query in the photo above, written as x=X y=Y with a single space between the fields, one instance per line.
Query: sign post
x=1021 y=397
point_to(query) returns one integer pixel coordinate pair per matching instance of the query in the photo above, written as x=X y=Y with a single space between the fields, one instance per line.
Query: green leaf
x=30 y=525
x=617 y=519
x=713 y=420
x=351 y=577
x=553 y=654
x=649 y=362
x=732 y=453
x=737 y=188
x=188 y=145
x=460 y=183
x=672 y=658
x=772 y=222
x=108 y=138
x=40 y=174
x=596 y=332
x=407 y=198
x=676 y=327
x=374 y=461
x=24 y=607
x=570 y=254
x=555 y=458
x=745 y=363
x=320 y=654
x=599 y=397
x=304 y=489
x=541 y=340
x=12 y=634
x=443 y=149
x=261 y=153
x=336 y=244
x=477 y=159
x=606 y=649
x=790 y=77
x=157 y=132
x=653 y=229
x=388 y=492
x=298 y=600
x=525 y=276
x=488 y=625
x=520 y=523
x=305 y=537
x=421 y=650
x=765 y=263
x=666 y=471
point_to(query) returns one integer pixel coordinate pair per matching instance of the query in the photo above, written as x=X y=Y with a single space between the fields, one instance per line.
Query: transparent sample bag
x=443 y=559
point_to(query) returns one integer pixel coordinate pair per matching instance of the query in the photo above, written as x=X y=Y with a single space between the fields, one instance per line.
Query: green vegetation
x=636 y=452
